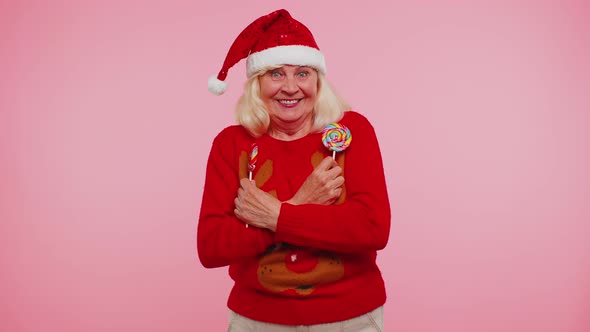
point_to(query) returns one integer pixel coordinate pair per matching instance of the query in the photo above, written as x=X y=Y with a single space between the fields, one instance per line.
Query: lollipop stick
x=334 y=155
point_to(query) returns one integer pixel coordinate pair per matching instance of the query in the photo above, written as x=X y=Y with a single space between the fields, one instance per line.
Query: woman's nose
x=290 y=85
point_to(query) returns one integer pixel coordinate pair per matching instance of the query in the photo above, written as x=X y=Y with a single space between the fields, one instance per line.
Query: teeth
x=288 y=102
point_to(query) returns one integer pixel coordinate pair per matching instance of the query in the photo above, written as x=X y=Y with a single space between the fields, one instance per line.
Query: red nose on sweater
x=301 y=261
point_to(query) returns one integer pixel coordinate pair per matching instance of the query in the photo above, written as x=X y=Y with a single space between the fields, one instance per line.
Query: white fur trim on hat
x=216 y=86
x=297 y=55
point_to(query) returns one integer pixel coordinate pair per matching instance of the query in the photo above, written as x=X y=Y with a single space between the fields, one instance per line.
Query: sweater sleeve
x=221 y=238
x=359 y=224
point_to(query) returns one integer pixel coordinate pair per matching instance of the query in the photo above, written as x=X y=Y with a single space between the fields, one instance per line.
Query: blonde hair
x=253 y=115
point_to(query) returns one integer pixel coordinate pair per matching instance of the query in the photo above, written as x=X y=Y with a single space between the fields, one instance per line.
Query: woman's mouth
x=289 y=102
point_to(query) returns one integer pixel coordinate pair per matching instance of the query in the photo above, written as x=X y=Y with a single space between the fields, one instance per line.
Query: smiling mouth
x=289 y=102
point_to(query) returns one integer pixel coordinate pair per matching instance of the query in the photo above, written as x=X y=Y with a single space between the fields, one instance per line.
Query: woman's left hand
x=256 y=207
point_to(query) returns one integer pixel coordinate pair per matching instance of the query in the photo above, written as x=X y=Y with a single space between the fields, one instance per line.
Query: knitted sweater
x=319 y=266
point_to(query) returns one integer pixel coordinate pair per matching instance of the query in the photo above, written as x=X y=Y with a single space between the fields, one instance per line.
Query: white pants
x=369 y=322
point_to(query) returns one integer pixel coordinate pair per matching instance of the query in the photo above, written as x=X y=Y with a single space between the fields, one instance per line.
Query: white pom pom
x=216 y=86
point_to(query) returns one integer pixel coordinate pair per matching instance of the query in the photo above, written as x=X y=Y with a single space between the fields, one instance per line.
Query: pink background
x=482 y=110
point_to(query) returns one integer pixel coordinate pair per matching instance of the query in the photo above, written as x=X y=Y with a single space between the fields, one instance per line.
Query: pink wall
x=483 y=112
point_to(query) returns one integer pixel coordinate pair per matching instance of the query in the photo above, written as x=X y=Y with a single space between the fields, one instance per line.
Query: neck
x=290 y=131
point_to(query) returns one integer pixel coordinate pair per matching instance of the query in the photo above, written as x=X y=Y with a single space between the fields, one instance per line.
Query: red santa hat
x=273 y=39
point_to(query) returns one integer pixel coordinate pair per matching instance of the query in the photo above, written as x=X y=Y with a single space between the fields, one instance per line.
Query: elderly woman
x=300 y=237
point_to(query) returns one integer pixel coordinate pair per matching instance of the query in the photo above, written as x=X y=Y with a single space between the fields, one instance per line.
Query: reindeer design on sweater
x=289 y=269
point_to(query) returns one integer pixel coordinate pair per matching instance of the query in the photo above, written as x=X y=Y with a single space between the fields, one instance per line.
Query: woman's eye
x=303 y=74
x=276 y=74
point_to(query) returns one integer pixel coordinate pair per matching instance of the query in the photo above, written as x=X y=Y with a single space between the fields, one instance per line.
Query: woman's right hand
x=323 y=186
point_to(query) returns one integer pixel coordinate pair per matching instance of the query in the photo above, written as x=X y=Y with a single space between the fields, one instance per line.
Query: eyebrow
x=296 y=66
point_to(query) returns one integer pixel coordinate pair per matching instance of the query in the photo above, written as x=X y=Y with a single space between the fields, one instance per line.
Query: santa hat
x=273 y=39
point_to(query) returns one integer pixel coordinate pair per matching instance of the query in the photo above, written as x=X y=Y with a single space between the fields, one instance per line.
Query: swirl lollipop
x=336 y=138
x=252 y=160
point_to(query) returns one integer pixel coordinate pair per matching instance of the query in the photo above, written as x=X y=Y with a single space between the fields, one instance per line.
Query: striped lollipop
x=336 y=137
x=253 y=158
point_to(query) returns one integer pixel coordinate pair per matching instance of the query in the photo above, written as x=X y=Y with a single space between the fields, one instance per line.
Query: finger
x=333 y=195
x=334 y=172
x=326 y=164
x=248 y=186
x=239 y=215
x=332 y=200
x=337 y=182
x=245 y=182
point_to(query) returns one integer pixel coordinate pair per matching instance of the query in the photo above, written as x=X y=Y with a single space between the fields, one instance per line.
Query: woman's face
x=289 y=93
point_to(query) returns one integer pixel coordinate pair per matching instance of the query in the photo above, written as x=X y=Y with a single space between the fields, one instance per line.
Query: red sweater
x=319 y=266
